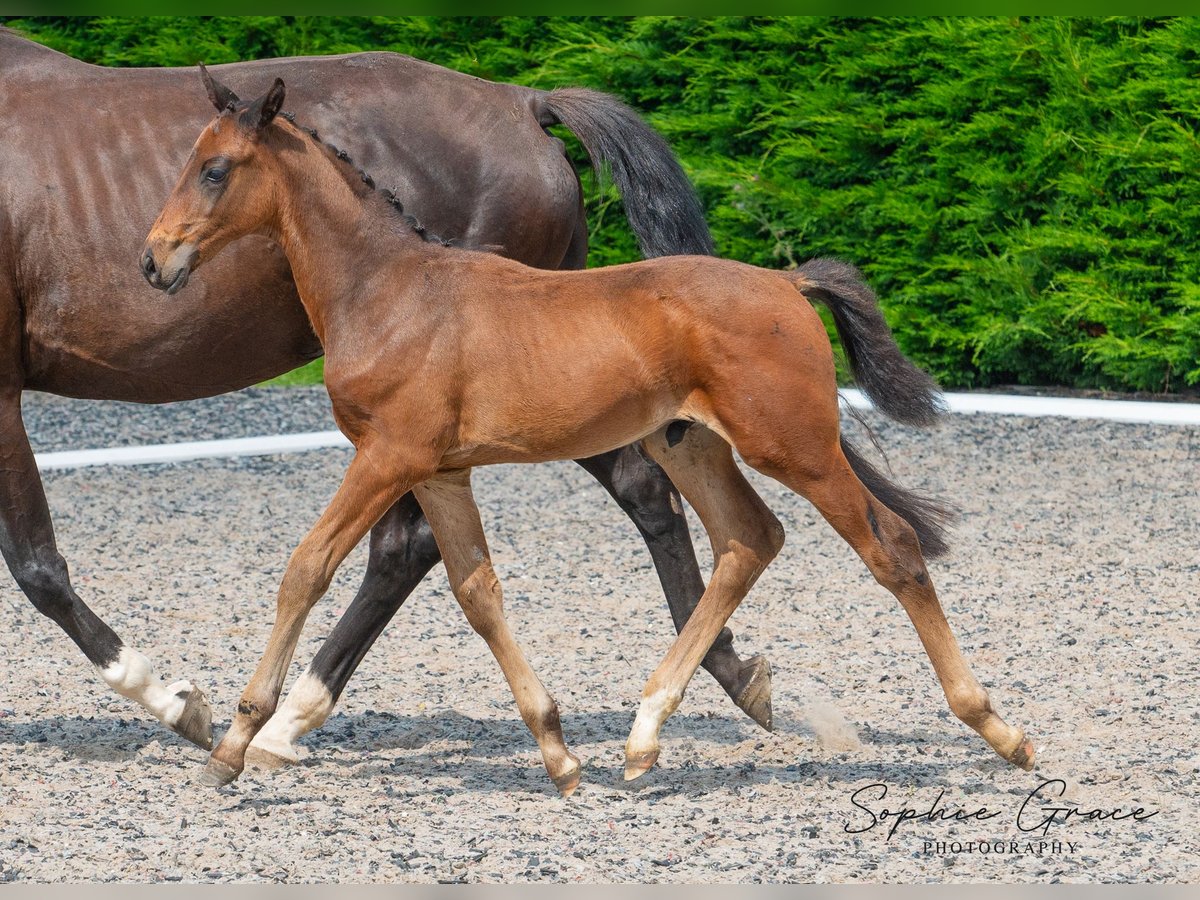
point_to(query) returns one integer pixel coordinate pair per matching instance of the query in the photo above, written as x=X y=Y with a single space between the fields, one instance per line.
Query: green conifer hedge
x=1022 y=193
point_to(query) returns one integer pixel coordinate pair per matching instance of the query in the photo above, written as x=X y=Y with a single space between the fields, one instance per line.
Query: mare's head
x=227 y=188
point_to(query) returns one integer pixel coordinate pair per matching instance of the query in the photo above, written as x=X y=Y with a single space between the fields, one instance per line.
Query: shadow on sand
x=499 y=755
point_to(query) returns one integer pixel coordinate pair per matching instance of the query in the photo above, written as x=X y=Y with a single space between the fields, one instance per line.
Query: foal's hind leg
x=646 y=495
x=892 y=551
x=450 y=508
x=745 y=538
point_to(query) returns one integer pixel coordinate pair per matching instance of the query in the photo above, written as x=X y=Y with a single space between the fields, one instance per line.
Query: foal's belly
x=563 y=370
x=575 y=429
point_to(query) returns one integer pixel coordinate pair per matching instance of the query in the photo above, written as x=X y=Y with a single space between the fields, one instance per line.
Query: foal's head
x=227 y=189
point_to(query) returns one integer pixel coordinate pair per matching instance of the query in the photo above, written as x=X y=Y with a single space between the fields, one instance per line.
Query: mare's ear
x=263 y=110
x=222 y=97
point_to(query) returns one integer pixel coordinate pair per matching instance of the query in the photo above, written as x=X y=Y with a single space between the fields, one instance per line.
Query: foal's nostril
x=148 y=267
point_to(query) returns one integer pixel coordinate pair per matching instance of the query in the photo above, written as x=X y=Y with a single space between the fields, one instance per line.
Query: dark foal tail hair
x=661 y=204
x=897 y=387
x=928 y=517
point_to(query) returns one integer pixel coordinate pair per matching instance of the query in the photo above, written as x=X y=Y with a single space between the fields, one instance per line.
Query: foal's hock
x=439 y=360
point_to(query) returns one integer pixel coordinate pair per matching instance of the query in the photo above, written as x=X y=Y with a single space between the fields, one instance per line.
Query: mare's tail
x=661 y=204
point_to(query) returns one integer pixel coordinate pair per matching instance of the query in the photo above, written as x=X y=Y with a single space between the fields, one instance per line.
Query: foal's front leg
x=402 y=551
x=450 y=508
x=368 y=489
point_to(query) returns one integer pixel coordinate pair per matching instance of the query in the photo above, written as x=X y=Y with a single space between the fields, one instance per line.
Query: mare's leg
x=450 y=508
x=402 y=551
x=370 y=486
x=890 y=548
x=645 y=493
x=27 y=542
x=745 y=538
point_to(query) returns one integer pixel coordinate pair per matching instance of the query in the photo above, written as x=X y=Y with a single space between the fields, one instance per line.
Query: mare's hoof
x=195 y=722
x=217 y=774
x=1023 y=755
x=754 y=694
x=568 y=780
x=638 y=764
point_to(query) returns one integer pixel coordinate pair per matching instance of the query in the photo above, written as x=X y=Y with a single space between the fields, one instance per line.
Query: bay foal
x=439 y=360
x=470 y=158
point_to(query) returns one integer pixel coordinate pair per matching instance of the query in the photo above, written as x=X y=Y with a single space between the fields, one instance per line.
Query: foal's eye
x=215 y=176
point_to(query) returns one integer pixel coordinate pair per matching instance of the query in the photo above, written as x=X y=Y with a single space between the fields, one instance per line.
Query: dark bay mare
x=442 y=359
x=471 y=161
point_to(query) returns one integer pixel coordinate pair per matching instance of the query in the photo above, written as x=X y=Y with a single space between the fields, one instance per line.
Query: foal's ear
x=263 y=110
x=222 y=97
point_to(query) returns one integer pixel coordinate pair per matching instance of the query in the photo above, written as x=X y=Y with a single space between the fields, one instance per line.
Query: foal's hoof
x=195 y=722
x=638 y=764
x=272 y=752
x=568 y=780
x=217 y=774
x=270 y=759
x=754 y=694
x=1023 y=755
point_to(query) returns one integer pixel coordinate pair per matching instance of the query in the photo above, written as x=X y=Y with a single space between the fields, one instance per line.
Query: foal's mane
x=363 y=184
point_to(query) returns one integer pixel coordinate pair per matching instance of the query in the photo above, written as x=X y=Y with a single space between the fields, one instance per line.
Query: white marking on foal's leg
x=654 y=710
x=641 y=750
x=132 y=676
x=307 y=706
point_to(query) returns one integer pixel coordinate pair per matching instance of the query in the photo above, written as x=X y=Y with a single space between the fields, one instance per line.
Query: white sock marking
x=132 y=676
x=306 y=707
x=654 y=710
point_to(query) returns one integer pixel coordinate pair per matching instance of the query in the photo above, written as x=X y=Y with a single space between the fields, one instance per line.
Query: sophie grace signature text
x=1037 y=813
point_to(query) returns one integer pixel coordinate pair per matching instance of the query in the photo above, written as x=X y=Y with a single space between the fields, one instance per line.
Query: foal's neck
x=335 y=229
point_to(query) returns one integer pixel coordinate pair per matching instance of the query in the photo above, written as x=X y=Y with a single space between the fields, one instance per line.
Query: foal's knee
x=751 y=547
x=306 y=579
x=46 y=583
x=482 y=601
x=770 y=537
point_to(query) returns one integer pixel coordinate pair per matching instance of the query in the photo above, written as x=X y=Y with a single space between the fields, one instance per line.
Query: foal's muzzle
x=172 y=272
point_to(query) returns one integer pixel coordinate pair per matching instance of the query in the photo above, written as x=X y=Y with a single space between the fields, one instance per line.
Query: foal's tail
x=897 y=387
x=889 y=378
x=661 y=204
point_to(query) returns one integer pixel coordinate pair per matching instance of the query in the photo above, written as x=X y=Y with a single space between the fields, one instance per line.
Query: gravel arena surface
x=1072 y=587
